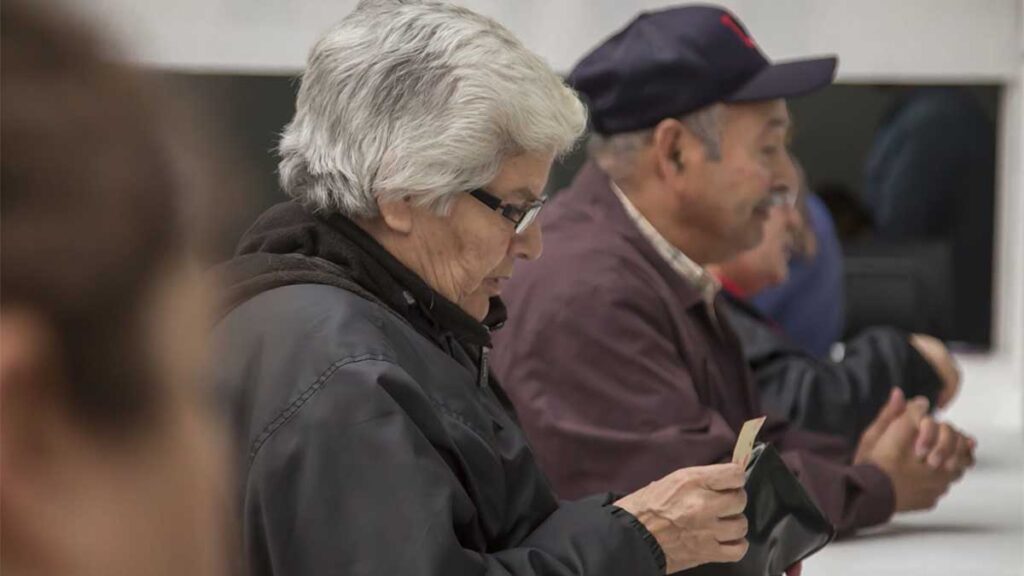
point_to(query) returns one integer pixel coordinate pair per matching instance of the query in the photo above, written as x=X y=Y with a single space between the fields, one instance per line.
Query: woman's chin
x=476 y=305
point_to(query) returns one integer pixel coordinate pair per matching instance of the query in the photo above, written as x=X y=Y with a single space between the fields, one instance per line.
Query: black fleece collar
x=288 y=244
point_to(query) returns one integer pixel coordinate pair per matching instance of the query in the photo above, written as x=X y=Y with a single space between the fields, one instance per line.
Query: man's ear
x=397 y=215
x=667 y=145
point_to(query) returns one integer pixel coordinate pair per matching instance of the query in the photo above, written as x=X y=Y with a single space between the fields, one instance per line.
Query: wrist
x=881 y=493
x=657 y=551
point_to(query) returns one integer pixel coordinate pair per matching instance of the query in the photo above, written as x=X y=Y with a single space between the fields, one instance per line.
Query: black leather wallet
x=784 y=525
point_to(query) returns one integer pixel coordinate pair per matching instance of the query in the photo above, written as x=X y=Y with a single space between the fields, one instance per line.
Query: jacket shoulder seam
x=289 y=411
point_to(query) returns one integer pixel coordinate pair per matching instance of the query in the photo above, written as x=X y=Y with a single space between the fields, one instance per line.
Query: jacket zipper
x=483 y=378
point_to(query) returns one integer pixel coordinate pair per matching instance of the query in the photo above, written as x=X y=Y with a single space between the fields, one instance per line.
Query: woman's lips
x=493 y=285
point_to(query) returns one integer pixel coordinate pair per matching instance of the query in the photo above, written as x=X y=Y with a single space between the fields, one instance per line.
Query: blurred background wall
x=238 y=60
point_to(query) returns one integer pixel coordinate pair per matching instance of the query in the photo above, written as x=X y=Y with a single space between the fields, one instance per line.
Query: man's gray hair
x=418 y=99
x=616 y=153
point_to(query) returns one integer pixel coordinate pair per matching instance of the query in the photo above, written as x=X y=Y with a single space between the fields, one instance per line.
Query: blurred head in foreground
x=109 y=463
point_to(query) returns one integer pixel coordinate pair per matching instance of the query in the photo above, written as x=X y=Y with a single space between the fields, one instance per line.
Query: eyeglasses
x=522 y=215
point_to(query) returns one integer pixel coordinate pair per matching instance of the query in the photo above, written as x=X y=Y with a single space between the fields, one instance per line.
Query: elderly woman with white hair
x=354 y=339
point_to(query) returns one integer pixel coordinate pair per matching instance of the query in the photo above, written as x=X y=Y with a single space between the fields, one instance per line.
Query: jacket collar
x=443 y=313
x=287 y=238
x=591 y=191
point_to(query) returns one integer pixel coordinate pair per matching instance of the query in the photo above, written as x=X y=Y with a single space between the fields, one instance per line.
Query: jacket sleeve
x=828 y=404
x=628 y=410
x=344 y=482
x=852 y=496
x=888 y=353
x=841 y=397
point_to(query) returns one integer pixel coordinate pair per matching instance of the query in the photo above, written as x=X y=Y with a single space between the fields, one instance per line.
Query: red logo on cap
x=732 y=25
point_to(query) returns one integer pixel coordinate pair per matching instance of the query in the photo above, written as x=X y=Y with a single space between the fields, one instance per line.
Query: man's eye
x=770 y=150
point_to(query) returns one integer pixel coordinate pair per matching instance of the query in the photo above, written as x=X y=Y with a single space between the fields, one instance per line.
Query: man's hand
x=936 y=353
x=941 y=445
x=895 y=407
x=921 y=457
x=696 y=514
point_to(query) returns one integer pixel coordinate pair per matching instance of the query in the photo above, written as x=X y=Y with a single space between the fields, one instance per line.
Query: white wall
x=994 y=392
x=919 y=39
x=877 y=40
x=996 y=383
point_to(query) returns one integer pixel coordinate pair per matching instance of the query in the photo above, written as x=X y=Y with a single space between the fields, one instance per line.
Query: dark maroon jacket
x=619 y=376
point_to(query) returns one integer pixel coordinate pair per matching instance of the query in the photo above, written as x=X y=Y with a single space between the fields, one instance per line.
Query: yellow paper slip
x=745 y=441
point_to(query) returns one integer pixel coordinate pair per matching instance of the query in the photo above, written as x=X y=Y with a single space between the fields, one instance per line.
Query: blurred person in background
x=809 y=304
x=934 y=144
x=370 y=436
x=930 y=177
x=837 y=397
x=109 y=462
x=616 y=352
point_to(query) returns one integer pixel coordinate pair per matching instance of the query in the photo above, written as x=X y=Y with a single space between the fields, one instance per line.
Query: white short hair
x=616 y=153
x=418 y=99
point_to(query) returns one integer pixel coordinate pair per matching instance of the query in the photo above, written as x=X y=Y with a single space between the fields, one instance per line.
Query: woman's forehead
x=523 y=177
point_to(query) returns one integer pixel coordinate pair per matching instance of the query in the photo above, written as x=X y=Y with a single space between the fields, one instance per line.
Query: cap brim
x=787 y=80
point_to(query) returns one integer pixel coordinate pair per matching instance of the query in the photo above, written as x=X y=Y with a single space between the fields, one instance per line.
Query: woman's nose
x=528 y=245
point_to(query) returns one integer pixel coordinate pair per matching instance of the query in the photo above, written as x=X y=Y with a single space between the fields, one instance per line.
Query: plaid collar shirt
x=694 y=273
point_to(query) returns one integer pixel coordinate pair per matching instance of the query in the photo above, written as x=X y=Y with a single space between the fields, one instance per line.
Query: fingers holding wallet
x=695 y=514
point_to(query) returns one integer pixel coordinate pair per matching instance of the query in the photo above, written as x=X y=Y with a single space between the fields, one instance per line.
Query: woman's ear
x=397 y=215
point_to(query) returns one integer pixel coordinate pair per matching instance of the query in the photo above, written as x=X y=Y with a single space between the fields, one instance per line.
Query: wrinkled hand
x=696 y=515
x=936 y=353
x=921 y=457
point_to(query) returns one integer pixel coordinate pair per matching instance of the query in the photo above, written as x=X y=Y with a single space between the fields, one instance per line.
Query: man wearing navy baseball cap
x=615 y=353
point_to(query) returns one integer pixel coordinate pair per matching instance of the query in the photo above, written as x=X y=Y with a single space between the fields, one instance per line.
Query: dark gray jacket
x=841 y=397
x=369 y=439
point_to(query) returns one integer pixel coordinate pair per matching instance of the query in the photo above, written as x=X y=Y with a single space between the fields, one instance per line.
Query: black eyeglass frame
x=521 y=216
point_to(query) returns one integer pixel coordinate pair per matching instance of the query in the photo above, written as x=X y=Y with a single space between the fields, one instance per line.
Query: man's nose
x=784 y=170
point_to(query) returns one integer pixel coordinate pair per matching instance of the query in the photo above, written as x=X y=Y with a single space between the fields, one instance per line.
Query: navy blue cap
x=671 y=62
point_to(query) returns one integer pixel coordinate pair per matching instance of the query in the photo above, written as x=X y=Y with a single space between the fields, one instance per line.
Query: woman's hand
x=696 y=514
